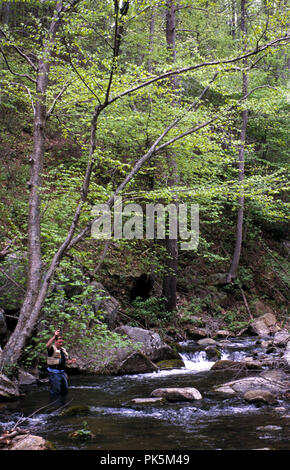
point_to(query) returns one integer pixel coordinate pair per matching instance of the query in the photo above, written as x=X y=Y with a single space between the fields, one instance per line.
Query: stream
x=212 y=423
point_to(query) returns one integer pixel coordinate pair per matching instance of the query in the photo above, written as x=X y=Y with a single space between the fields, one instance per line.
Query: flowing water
x=212 y=423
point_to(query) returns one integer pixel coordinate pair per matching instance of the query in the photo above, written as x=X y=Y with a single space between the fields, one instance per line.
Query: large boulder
x=135 y=363
x=149 y=342
x=206 y=342
x=8 y=388
x=142 y=349
x=273 y=381
x=265 y=325
x=112 y=361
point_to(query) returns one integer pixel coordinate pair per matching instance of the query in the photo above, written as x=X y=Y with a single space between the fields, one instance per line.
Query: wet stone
x=269 y=428
x=147 y=401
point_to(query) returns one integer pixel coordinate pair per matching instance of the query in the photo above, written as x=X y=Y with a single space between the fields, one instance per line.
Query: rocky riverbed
x=212 y=380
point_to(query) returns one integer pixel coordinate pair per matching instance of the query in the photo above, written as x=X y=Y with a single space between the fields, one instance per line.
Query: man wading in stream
x=57 y=358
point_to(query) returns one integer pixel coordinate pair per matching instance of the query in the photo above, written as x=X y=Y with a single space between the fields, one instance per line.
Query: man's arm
x=52 y=340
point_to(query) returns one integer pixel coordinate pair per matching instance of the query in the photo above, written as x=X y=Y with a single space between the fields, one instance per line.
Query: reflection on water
x=207 y=424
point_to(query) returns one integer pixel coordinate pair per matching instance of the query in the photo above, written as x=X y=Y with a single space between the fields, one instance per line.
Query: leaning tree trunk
x=26 y=323
x=240 y=218
x=37 y=288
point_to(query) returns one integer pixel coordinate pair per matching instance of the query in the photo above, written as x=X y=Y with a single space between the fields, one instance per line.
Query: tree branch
x=77 y=72
x=29 y=93
x=197 y=66
x=12 y=280
x=20 y=52
x=154 y=149
x=22 y=75
x=51 y=109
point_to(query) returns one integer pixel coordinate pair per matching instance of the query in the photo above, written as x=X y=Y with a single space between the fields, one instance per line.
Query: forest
x=176 y=106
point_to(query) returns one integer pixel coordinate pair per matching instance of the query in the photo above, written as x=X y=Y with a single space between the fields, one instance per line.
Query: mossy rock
x=170 y=364
x=76 y=411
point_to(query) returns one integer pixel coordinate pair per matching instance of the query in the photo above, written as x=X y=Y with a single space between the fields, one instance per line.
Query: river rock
x=170 y=364
x=136 y=363
x=139 y=355
x=8 y=389
x=265 y=325
x=193 y=332
x=236 y=365
x=206 y=342
x=29 y=442
x=269 y=427
x=25 y=378
x=177 y=394
x=281 y=338
x=150 y=343
x=112 y=361
x=274 y=381
x=148 y=401
x=224 y=334
x=77 y=410
x=147 y=348
x=260 y=396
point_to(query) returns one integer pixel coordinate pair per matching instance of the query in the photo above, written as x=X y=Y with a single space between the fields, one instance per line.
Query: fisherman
x=57 y=358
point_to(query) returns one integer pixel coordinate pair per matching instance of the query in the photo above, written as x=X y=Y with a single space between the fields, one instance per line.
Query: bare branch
x=20 y=52
x=257 y=88
x=12 y=280
x=29 y=93
x=78 y=73
x=57 y=97
x=22 y=75
x=206 y=123
x=155 y=148
x=255 y=63
x=102 y=258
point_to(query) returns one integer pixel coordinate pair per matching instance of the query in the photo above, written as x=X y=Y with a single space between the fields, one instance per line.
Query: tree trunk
x=233 y=21
x=26 y=322
x=5 y=12
x=151 y=38
x=37 y=287
x=171 y=260
x=232 y=274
